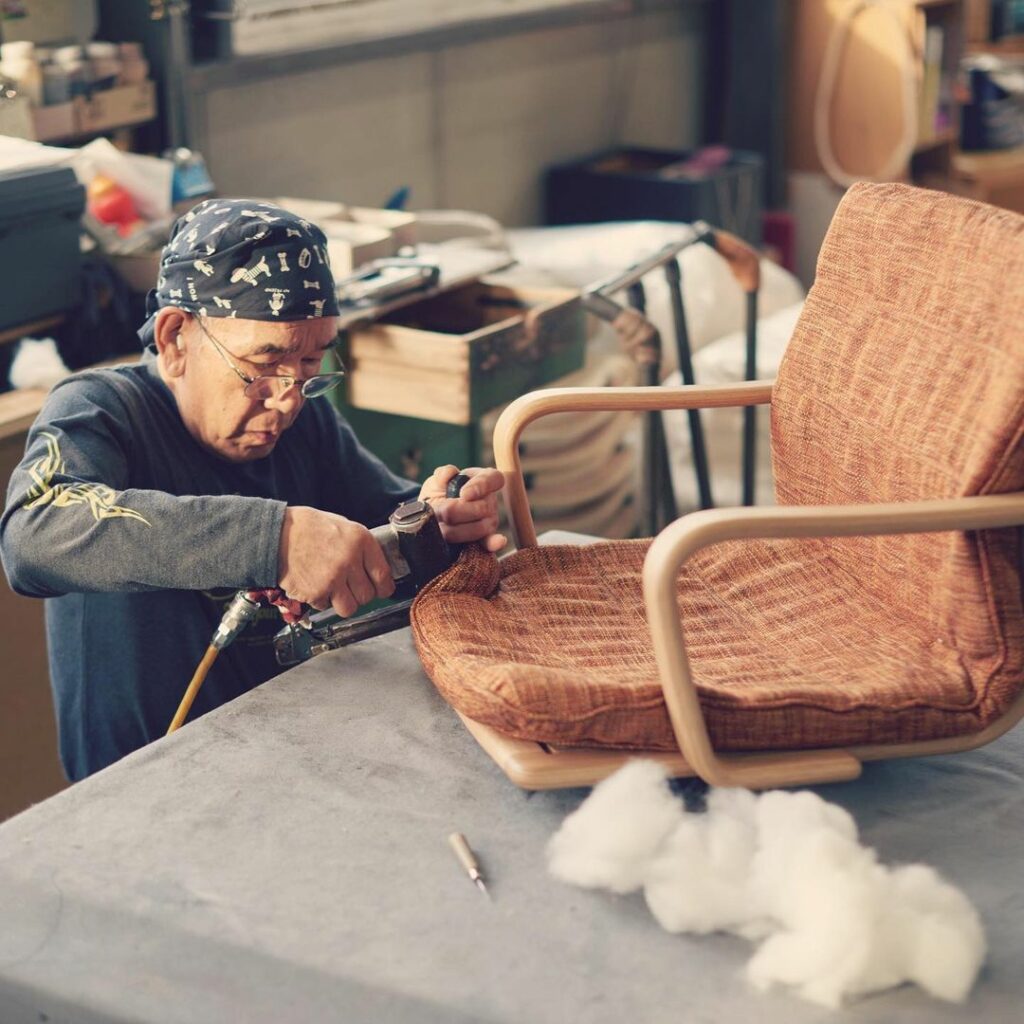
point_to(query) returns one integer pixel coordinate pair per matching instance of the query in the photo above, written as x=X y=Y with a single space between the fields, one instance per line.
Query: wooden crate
x=452 y=357
x=413 y=447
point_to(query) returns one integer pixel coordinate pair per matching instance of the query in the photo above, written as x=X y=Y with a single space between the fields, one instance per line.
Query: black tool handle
x=456 y=484
x=453 y=490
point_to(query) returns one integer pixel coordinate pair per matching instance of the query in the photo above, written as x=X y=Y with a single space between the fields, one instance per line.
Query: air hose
x=412 y=544
x=240 y=613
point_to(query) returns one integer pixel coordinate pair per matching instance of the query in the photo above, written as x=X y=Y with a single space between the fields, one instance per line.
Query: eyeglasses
x=278 y=384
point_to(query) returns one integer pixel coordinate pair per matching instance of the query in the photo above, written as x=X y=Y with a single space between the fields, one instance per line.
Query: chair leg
x=669 y=508
x=674 y=277
x=750 y=413
x=650 y=463
x=666 y=497
x=655 y=454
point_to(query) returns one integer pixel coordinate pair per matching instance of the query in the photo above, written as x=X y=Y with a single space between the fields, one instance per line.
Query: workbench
x=284 y=859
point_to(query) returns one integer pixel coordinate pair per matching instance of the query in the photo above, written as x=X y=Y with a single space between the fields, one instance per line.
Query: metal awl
x=458 y=843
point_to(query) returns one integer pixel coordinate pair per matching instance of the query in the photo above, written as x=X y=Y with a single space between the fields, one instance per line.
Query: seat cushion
x=551 y=644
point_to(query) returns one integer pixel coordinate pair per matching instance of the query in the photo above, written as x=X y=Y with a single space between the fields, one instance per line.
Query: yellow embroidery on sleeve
x=98 y=497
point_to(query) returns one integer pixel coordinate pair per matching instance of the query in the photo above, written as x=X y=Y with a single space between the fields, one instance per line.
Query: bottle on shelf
x=72 y=60
x=191 y=179
x=56 y=84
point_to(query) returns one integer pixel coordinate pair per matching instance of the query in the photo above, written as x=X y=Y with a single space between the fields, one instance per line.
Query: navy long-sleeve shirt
x=138 y=537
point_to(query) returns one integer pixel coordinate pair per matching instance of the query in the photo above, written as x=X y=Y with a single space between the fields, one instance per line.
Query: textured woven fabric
x=904 y=380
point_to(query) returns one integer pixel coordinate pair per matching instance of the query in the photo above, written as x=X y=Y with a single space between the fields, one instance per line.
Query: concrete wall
x=469 y=126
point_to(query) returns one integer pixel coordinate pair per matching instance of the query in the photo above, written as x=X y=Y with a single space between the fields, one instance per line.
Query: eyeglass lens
x=262 y=388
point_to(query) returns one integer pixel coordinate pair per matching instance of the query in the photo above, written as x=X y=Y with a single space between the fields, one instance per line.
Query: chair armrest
x=524 y=410
x=687 y=535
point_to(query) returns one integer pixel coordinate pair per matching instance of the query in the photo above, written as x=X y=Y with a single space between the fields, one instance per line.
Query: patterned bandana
x=242 y=258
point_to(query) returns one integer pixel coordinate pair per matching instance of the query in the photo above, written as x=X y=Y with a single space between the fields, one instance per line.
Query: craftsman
x=149 y=493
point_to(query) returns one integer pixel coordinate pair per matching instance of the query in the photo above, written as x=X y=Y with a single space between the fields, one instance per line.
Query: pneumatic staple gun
x=412 y=543
x=416 y=552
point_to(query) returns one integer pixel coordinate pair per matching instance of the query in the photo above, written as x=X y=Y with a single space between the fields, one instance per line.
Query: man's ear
x=171 y=344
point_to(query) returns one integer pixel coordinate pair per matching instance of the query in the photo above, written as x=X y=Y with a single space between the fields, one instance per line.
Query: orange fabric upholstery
x=904 y=380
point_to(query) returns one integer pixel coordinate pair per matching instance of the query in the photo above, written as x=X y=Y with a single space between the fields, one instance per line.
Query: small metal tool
x=383 y=279
x=457 y=841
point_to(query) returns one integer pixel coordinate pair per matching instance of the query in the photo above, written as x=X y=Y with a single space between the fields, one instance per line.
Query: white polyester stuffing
x=786 y=869
x=590 y=851
x=37 y=364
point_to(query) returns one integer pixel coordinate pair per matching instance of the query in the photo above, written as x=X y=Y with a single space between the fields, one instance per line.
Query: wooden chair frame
x=539 y=766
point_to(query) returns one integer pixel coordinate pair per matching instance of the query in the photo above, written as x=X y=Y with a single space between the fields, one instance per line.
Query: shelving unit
x=111 y=110
x=997 y=175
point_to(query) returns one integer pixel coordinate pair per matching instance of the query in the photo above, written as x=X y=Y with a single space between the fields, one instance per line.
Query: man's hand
x=328 y=561
x=474 y=514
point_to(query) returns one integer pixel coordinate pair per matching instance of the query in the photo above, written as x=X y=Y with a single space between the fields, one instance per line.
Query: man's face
x=211 y=396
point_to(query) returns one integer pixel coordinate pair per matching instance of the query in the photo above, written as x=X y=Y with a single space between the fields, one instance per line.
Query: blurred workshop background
x=528 y=149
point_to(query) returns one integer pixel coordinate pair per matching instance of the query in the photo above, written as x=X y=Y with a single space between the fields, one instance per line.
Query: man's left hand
x=473 y=516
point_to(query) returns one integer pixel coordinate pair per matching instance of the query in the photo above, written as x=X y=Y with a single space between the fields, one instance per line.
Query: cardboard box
x=118 y=107
x=400 y=224
x=452 y=357
x=59 y=121
x=314 y=210
x=331 y=218
x=350 y=245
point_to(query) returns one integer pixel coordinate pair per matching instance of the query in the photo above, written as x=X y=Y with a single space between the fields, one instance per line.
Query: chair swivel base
x=533 y=765
x=536 y=765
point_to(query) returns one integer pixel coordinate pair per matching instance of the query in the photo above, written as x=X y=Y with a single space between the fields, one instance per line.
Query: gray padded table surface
x=284 y=859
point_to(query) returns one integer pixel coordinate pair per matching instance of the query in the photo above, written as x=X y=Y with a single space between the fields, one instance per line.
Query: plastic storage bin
x=39 y=250
x=643 y=184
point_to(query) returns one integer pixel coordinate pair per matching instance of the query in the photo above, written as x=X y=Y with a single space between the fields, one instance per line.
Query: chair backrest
x=905 y=380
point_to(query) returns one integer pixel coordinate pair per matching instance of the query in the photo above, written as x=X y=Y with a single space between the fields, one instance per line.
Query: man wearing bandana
x=148 y=494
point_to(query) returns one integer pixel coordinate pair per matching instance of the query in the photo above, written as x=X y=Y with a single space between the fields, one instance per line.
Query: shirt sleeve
x=73 y=523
